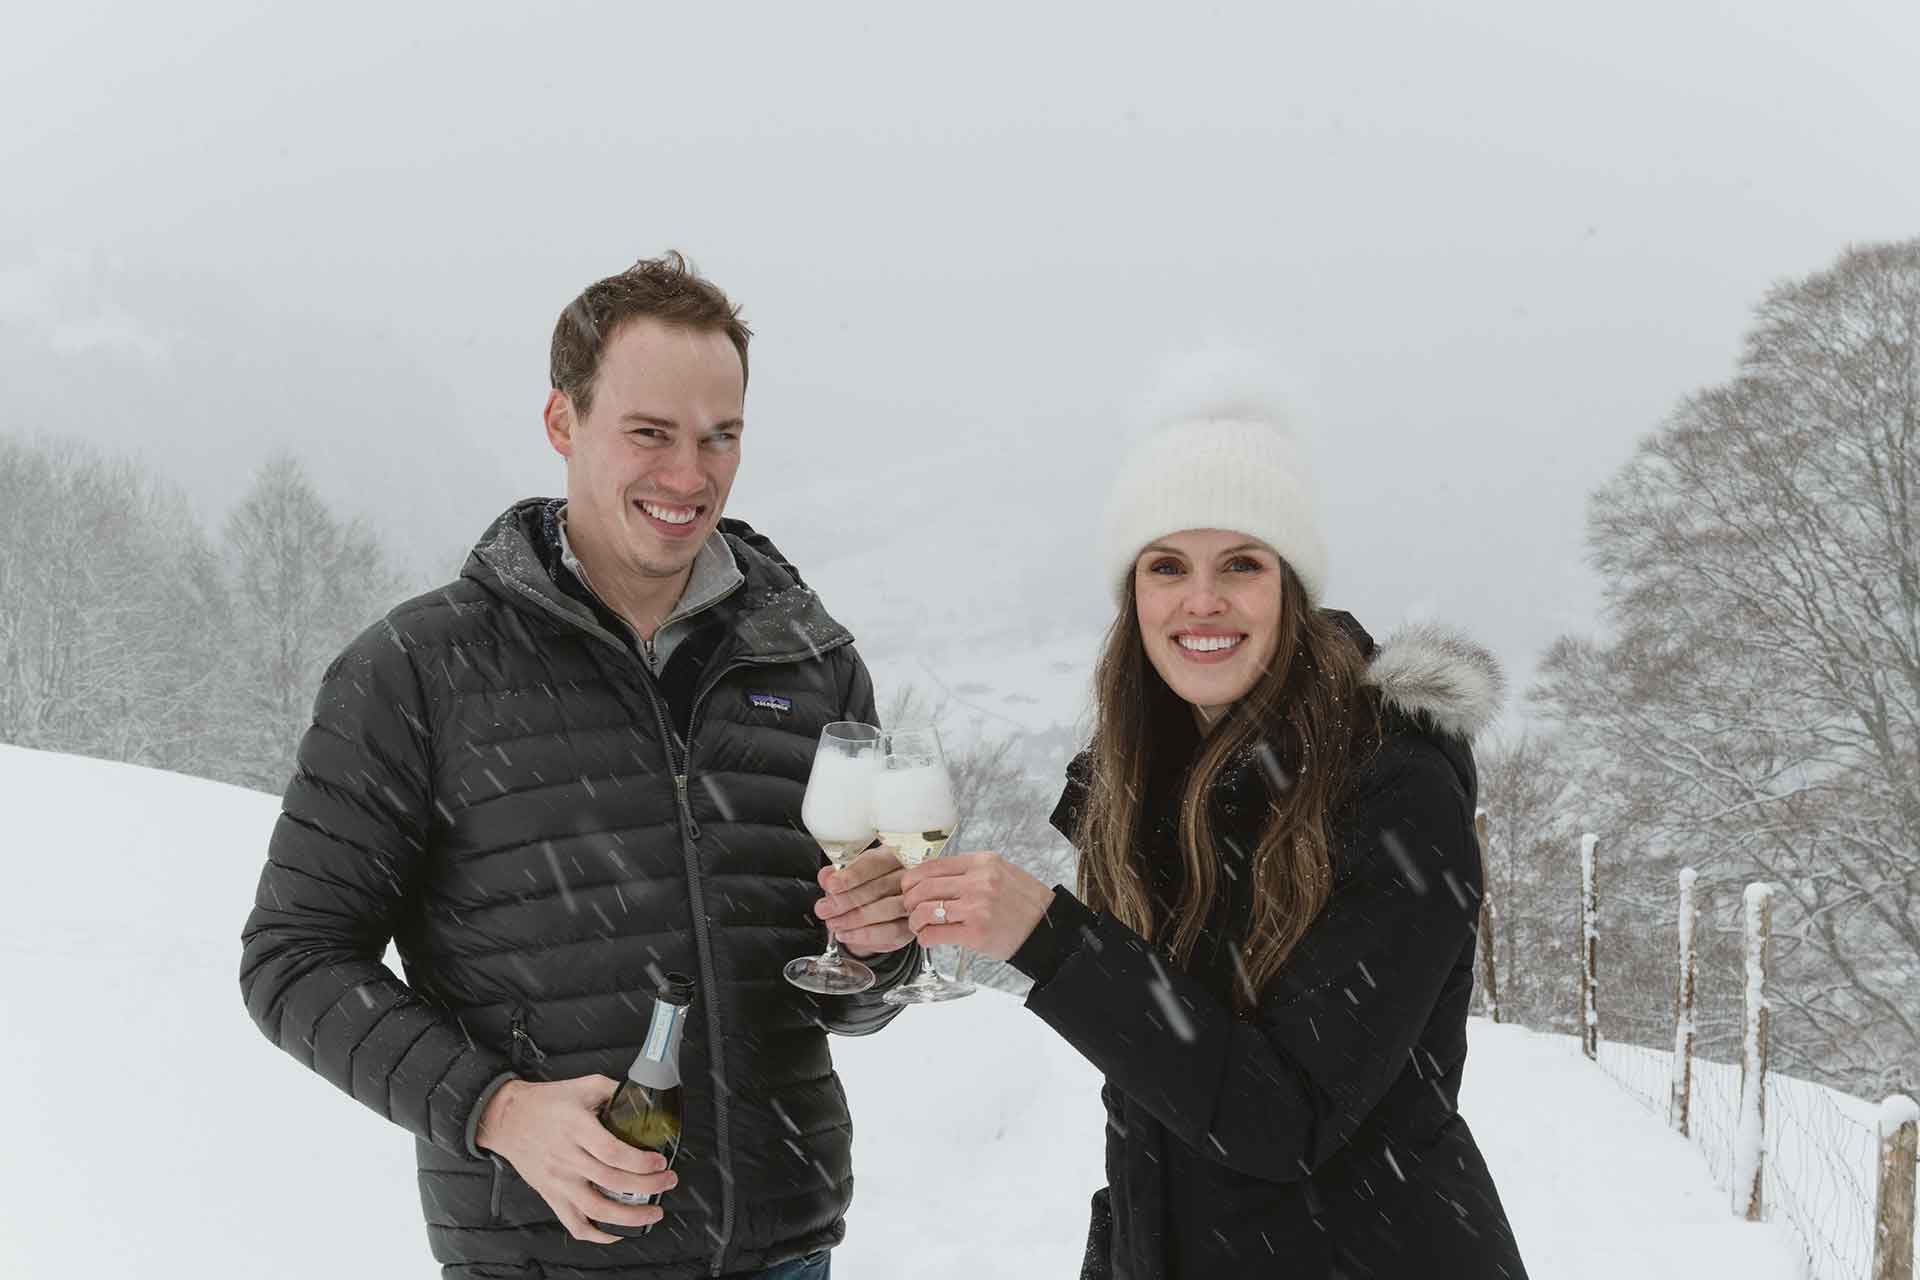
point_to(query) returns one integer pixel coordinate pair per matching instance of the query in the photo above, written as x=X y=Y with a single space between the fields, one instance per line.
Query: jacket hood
x=1436 y=675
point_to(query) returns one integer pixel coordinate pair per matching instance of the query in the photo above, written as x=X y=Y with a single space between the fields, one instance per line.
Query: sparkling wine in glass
x=838 y=814
x=913 y=810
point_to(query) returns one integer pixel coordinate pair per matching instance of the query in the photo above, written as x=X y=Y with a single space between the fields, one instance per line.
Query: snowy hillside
x=154 y=1132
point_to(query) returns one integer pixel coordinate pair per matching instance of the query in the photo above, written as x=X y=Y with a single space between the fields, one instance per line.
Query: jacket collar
x=773 y=617
x=716 y=573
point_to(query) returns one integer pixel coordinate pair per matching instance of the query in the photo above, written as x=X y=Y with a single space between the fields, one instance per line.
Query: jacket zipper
x=682 y=770
x=709 y=983
x=523 y=1043
x=702 y=939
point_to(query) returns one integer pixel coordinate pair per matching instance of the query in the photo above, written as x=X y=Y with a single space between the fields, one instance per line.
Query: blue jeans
x=812 y=1267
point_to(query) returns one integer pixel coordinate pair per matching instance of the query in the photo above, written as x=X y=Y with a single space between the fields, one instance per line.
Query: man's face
x=649 y=467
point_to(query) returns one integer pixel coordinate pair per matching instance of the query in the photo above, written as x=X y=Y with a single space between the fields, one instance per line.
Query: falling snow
x=972 y=1103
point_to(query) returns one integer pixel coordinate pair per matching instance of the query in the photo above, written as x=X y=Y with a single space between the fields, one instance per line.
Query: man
x=578 y=768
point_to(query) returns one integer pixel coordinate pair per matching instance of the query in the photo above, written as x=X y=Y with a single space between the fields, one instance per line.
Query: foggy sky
x=1491 y=250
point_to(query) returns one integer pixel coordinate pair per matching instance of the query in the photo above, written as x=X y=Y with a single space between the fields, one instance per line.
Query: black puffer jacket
x=491 y=780
x=1319 y=1137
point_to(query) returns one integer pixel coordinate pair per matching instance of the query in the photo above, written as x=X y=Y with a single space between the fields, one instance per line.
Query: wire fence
x=1822 y=1157
x=1822 y=1167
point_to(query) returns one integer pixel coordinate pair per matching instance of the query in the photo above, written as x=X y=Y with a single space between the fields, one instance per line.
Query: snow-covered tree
x=1757 y=705
x=101 y=569
x=302 y=582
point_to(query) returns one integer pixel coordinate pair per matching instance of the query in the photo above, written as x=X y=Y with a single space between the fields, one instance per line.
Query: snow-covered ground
x=152 y=1132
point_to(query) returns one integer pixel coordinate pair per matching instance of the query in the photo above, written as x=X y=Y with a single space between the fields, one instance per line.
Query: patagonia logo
x=770 y=702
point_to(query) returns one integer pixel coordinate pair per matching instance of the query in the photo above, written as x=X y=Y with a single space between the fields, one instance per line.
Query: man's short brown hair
x=666 y=289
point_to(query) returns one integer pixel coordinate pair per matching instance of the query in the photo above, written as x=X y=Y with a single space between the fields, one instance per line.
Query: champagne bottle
x=645 y=1110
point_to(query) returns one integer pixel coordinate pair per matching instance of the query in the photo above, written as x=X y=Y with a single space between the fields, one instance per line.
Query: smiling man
x=551 y=783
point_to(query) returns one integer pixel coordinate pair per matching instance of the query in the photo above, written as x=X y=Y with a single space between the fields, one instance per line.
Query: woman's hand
x=975 y=900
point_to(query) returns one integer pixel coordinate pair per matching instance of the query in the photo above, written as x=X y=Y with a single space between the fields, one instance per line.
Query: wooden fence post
x=1750 y=1126
x=1893 y=1210
x=1680 y=1104
x=1489 y=985
x=1589 y=950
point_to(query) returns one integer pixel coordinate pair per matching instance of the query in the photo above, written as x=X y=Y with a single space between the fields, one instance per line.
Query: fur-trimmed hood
x=1436 y=674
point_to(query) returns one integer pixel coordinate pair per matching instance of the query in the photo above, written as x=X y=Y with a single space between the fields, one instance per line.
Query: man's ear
x=561 y=422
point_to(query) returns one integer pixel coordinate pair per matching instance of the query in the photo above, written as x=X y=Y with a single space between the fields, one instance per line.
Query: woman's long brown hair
x=1306 y=725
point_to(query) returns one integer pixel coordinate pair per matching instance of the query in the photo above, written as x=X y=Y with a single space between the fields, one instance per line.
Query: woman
x=1270 y=954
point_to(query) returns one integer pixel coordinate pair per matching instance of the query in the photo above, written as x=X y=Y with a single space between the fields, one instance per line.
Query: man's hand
x=975 y=900
x=552 y=1136
x=862 y=906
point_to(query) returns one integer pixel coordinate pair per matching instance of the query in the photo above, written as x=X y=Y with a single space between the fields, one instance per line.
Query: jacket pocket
x=528 y=1063
x=499 y=1188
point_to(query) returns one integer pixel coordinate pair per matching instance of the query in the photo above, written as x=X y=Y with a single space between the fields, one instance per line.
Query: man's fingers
x=880 y=937
x=593 y=1091
x=838 y=904
x=617 y=1179
x=580 y=1228
x=632 y=1185
x=871 y=865
x=861 y=917
x=605 y=1150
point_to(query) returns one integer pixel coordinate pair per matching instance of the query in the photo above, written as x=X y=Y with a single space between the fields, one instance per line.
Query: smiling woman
x=1209 y=604
x=1254 y=957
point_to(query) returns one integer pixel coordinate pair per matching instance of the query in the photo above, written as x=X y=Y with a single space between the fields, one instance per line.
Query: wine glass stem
x=831 y=956
x=927 y=972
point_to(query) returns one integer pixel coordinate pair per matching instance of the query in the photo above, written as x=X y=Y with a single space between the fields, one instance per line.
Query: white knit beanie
x=1224 y=455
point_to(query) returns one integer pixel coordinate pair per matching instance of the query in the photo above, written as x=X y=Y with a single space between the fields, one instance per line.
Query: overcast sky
x=1492 y=245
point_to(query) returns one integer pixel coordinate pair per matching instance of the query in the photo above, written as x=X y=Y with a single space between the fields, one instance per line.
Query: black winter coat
x=1319 y=1137
x=492 y=780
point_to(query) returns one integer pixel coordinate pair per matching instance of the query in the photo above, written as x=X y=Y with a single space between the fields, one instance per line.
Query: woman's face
x=1209 y=607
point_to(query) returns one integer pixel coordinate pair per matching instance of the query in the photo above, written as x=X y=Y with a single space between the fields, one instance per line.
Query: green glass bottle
x=645 y=1110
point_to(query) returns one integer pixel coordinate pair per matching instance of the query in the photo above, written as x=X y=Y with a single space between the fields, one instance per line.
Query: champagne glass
x=838 y=813
x=913 y=810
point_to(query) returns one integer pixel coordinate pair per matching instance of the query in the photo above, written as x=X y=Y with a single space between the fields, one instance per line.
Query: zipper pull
x=680 y=789
x=522 y=1038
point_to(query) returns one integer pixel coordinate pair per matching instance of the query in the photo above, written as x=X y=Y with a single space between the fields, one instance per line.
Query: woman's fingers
x=954 y=864
x=975 y=876
x=948 y=935
x=935 y=913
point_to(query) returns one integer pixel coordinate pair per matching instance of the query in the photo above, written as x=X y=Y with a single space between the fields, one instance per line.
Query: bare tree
x=97 y=608
x=1758 y=708
x=1533 y=878
x=302 y=583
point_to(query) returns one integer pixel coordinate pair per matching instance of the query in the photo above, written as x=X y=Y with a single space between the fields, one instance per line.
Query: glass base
x=829 y=976
x=928 y=988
